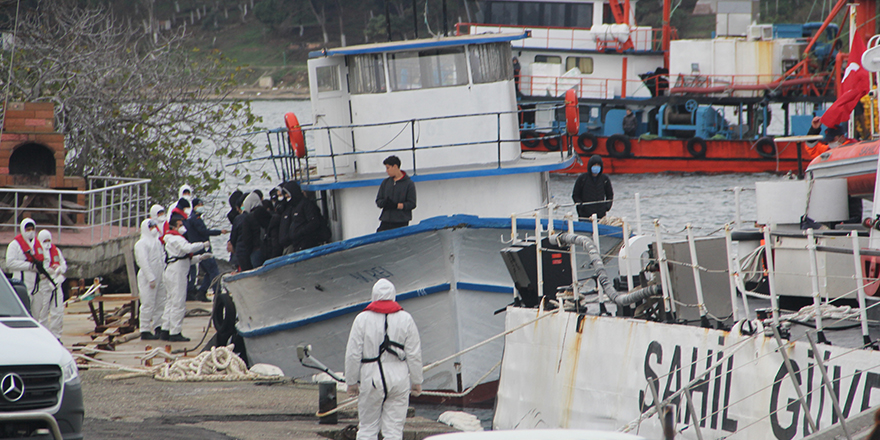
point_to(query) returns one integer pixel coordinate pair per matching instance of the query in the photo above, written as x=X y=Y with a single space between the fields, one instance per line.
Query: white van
x=40 y=388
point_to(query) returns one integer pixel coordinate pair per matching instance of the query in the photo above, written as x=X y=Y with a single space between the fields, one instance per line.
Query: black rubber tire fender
x=530 y=139
x=697 y=147
x=224 y=317
x=766 y=148
x=586 y=143
x=618 y=145
x=552 y=142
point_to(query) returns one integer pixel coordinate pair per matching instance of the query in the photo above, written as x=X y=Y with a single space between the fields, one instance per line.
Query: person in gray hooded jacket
x=396 y=196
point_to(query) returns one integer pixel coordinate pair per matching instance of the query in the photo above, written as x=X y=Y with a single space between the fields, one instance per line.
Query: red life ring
x=295 y=135
x=572 y=113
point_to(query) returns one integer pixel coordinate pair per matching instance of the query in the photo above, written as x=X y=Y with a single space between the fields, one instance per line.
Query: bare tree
x=128 y=105
x=321 y=17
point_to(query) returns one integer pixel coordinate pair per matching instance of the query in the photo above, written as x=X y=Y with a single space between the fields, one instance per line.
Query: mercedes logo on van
x=12 y=387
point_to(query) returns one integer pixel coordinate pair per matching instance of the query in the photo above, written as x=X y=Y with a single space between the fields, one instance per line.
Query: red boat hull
x=672 y=155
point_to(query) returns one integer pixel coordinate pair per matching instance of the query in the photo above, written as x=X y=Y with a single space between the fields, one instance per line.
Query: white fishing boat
x=714 y=347
x=447 y=108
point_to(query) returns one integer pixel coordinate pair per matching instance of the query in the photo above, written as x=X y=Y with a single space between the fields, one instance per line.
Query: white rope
x=808 y=313
x=218 y=365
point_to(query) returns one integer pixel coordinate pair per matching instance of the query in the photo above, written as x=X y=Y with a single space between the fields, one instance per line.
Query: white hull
x=554 y=376
x=448 y=273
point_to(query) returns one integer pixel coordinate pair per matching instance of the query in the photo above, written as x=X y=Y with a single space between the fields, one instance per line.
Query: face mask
x=200 y=209
x=29 y=235
x=596 y=169
x=182 y=230
x=47 y=245
x=187 y=211
x=161 y=219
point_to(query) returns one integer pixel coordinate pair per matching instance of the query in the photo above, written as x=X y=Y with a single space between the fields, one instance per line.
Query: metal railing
x=112 y=207
x=551 y=37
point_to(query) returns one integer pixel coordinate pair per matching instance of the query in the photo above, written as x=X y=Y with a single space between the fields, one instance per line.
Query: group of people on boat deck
x=35 y=261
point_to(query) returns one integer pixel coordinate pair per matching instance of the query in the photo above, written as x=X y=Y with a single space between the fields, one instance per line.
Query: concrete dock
x=146 y=408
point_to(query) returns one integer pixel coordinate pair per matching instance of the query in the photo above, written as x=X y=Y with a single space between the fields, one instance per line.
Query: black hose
x=602 y=278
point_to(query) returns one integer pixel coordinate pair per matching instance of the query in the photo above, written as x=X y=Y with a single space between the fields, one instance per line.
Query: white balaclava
x=45 y=238
x=184 y=188
x=28 y=235
x=383 y=290
x=154 y=214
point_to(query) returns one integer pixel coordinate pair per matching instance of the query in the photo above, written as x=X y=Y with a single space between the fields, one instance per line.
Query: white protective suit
x=160 y=220
x=375 y=410
x=16 y=261
x=150 y=258
x=47 y=304
x=176 y=247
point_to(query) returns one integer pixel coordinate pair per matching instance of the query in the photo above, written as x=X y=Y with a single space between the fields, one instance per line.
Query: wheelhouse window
x=532 y=13
x=491 y=62
x=550 y=59
x=428 y=69
x=366 y=74
x=328 y=78
x=584 y=64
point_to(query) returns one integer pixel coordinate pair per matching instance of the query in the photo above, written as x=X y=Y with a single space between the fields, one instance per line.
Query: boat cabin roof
x=425 y=43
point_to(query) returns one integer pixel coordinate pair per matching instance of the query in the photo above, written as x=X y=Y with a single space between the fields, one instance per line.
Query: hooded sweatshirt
x=590 y=188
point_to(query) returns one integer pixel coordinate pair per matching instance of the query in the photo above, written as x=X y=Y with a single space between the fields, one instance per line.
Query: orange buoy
x=572 y=113
x=295 y=135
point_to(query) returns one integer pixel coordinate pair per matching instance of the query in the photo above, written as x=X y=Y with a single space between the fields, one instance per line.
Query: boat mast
x=667 y=31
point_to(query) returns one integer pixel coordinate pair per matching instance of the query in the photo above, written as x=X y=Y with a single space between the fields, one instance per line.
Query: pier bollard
x=326 y=402
x=148 y=362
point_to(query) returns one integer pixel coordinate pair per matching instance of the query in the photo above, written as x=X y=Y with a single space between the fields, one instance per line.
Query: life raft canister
x=572 y=113
x=295 y=135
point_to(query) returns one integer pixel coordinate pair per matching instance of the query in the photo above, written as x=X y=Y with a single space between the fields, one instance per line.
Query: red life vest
x=54 y=256
x=31 y=255
x=384 y=306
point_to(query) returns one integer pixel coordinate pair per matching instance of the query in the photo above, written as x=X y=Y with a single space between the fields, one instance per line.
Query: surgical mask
x=29 y=235
x=161 y=219
x=200 y=209
x=187 y=211
x=596 y=169
x=182 y=229
x=47 y=245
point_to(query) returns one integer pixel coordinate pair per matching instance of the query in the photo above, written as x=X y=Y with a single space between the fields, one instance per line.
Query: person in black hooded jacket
x=300 y=222
x=592 y=190
x=249 y=241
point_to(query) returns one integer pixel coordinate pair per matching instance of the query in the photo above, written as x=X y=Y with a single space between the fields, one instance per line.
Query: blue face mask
x=596 y=169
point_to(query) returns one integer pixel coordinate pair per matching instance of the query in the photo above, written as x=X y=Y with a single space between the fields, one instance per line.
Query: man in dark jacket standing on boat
x=592 y=190
x=396 y=197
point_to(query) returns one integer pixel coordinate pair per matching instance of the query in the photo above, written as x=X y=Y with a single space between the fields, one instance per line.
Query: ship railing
x=644 y=39
x=823 y=313
x=111 y=207
x=591 y=87
x=298 y=168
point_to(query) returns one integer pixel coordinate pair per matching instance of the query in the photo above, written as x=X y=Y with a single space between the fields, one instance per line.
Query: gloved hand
x=207 y=244
x=153 y=284
x=353 y=390
x=416 y=390
x=205 y=256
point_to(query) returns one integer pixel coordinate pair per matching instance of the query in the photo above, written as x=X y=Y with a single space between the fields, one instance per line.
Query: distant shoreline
x=275 y=93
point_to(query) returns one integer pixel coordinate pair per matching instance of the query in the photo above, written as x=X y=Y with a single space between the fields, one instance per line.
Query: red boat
x=857 y=163
x=633 y=156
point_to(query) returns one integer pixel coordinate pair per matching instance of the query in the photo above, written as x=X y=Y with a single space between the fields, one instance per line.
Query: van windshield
x=9 y=302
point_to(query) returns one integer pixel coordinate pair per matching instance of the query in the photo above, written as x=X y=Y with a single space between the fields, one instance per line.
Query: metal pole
x=814 y=280
x=660 y=255
x=704 y=320
x=860 y=286
x=629 y=279
x=413 y=122
x=445 y=21
x=498 y=123
x=733 y=272
x=794 y=380
x=416 y=20
x=387 y=21
x=695 y=420
x=771 y=276
x=572 y=251
x=738 y=223
x=538 y=254
x=333 y=156
x=828 y=386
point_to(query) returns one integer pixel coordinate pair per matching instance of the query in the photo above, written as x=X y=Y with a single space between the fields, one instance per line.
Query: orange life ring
x=572 y=113
x=295 y=135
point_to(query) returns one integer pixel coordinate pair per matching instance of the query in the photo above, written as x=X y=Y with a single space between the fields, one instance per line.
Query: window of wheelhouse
x=491 y=62
x=427 y=69
x=526 y=13
x=366 y=74
x=584 y=64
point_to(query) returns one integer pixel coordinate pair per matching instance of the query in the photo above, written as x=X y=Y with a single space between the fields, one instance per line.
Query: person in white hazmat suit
x=157 y=215
x=22 y=257
x=383 y=364
x=150 y=258
x=47 y=304
x=178 y=257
